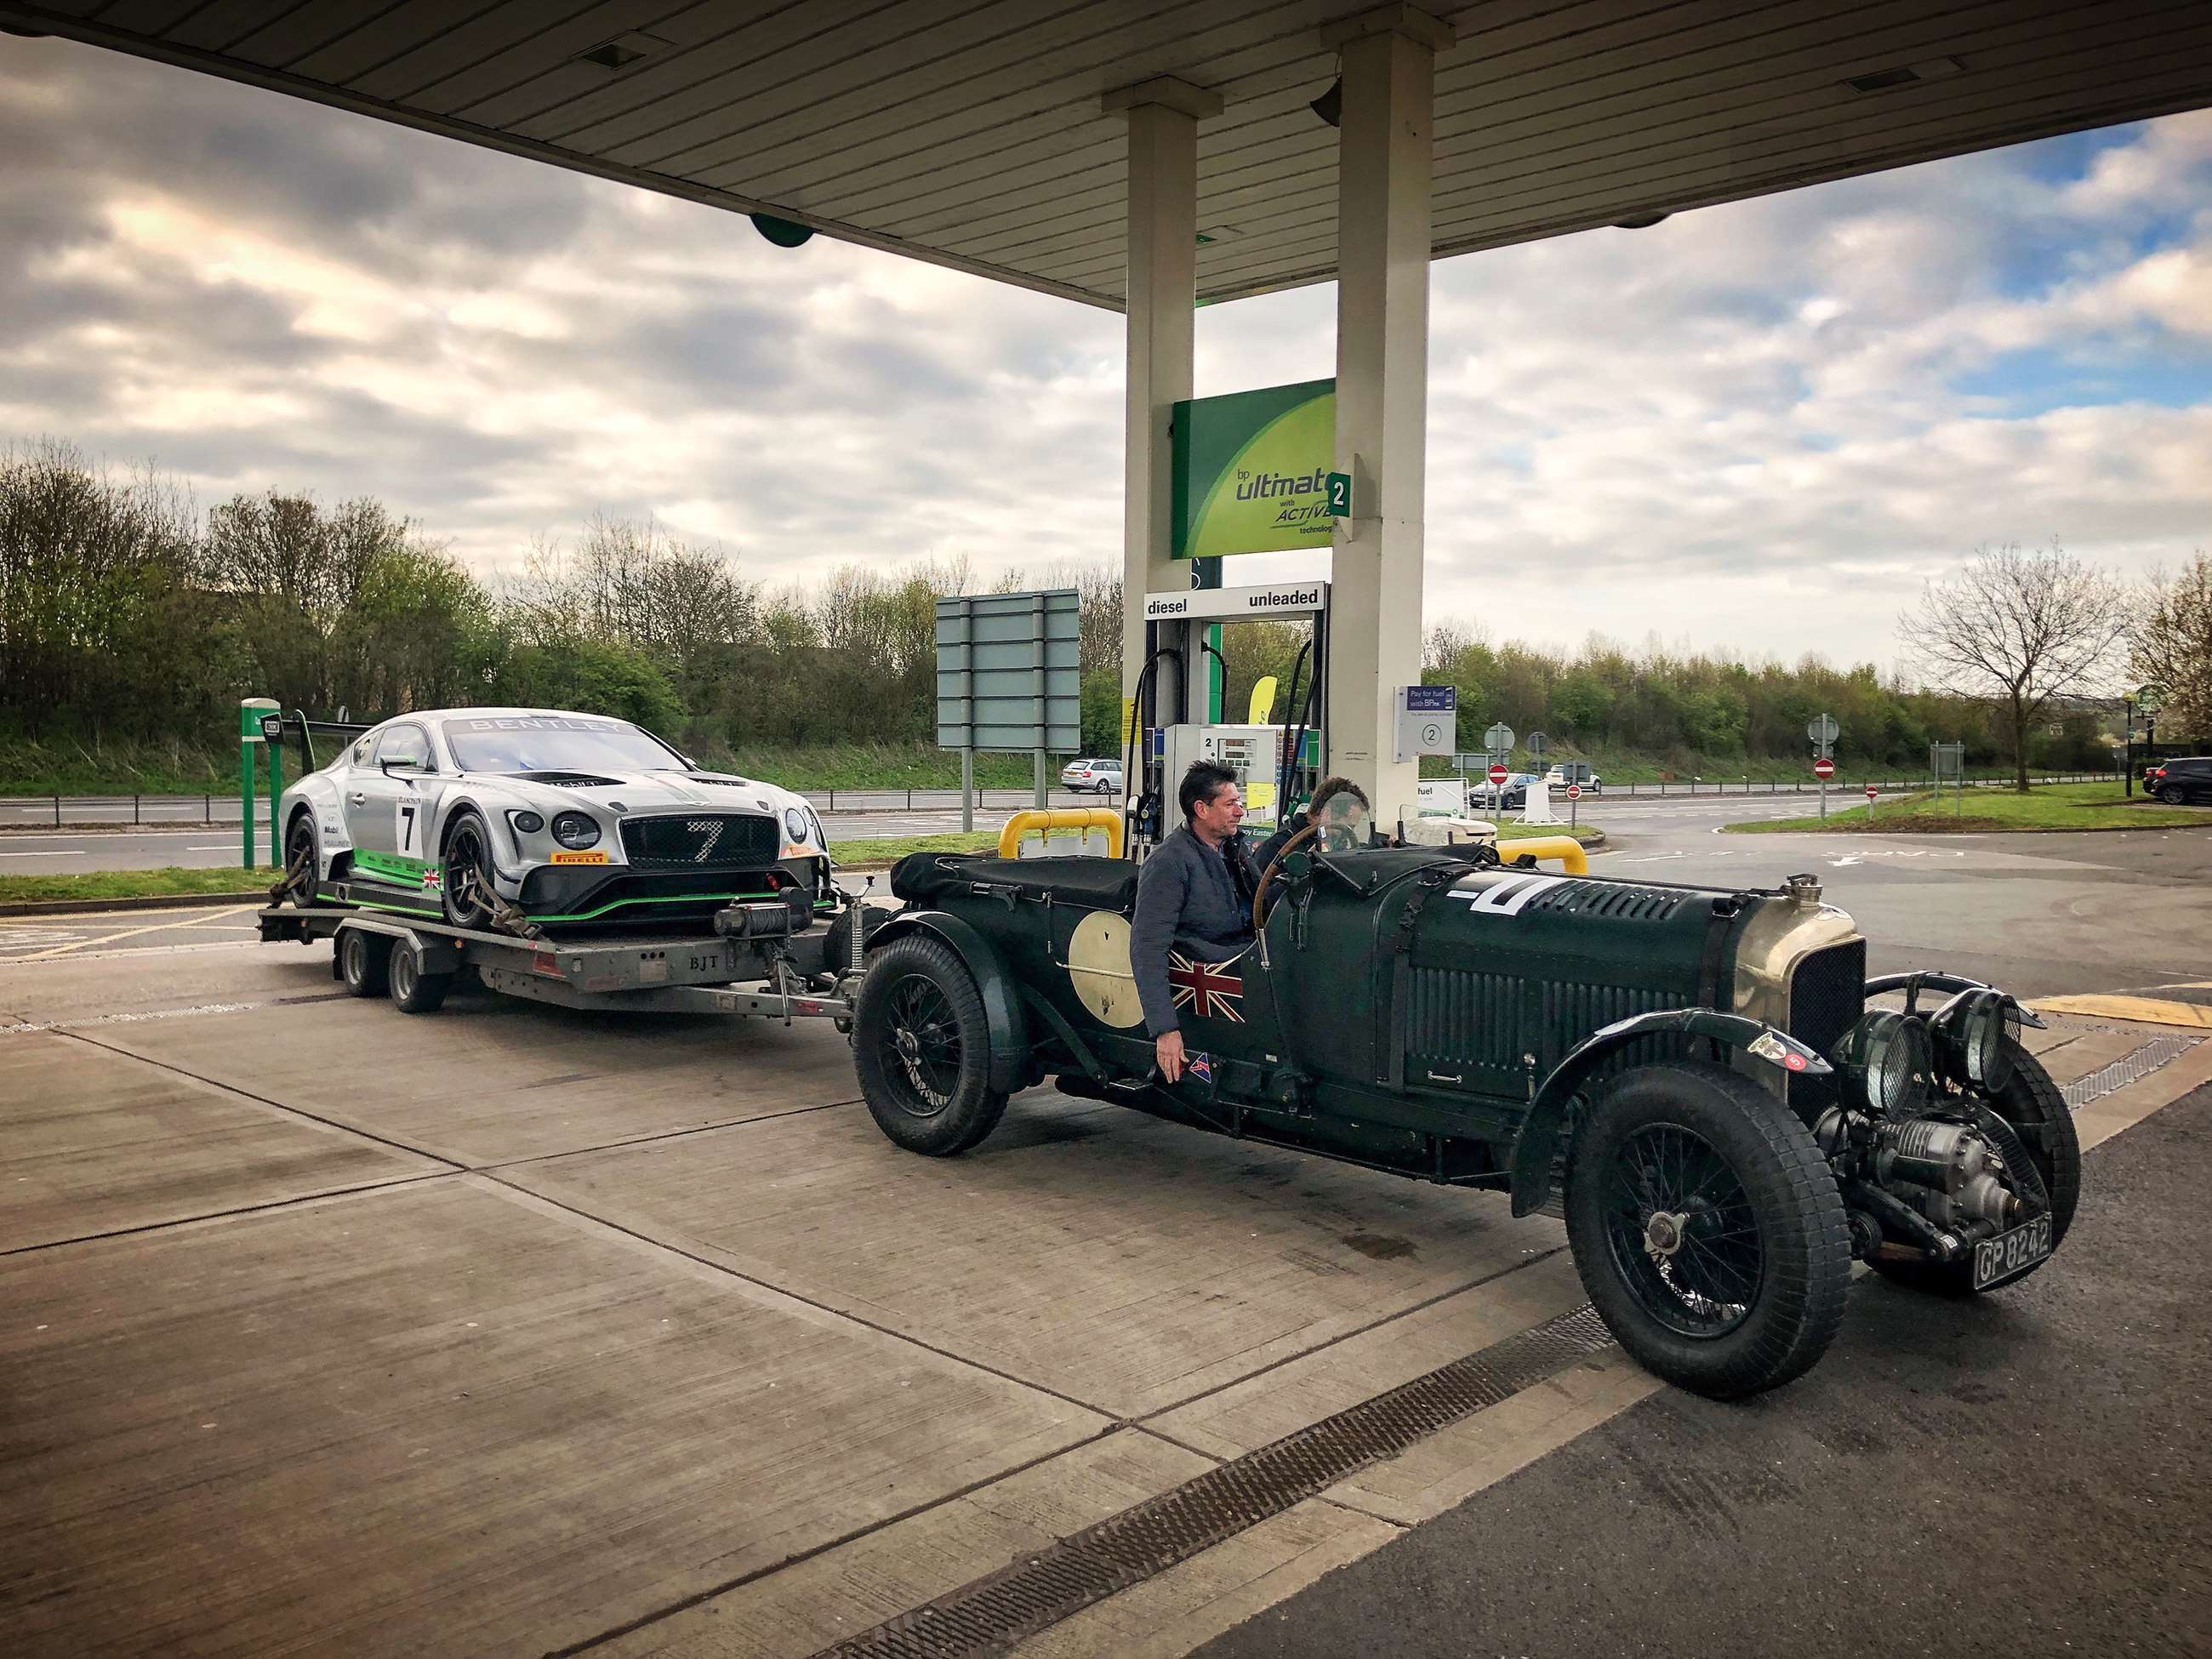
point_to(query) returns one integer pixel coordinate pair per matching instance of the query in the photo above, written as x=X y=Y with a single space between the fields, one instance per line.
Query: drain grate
x=992 y=1613
x=2129 y=1068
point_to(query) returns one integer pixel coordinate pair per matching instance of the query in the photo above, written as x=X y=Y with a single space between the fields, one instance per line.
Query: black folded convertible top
x=1096 y=884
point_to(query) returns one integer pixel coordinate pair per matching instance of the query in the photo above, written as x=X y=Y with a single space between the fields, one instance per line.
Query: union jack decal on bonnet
x=1208 y=989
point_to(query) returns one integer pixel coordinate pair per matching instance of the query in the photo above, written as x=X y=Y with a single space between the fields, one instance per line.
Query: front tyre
x=364 y=959
x=465 y=889
x=1708 y=1229
x=2032 y=1103
x=922 y=1046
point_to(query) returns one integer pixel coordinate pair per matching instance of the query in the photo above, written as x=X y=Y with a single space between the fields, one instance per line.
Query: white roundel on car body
x=1099 y=964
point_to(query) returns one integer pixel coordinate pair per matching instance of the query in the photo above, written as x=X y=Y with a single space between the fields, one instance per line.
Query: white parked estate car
x=1103 y=775
x=517 y=818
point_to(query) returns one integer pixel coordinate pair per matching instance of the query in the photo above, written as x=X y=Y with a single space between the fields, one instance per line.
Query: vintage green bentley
x=1697 y=1078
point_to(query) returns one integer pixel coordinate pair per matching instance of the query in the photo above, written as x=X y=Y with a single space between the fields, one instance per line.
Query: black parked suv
x=2177 y=780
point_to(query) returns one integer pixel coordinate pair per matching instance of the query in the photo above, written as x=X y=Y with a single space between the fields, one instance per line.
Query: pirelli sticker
x=579 y=858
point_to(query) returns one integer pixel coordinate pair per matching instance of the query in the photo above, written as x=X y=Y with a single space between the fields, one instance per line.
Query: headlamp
x=1885 y=1055
x=1974 y=1033
x=575 y=830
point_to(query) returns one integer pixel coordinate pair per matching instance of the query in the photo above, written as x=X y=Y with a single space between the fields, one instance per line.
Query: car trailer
x=752 y=964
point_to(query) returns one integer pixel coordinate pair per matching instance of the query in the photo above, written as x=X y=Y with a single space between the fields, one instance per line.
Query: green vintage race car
x=1693 y=1077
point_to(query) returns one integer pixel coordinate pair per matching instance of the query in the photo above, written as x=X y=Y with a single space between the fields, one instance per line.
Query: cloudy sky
x=1755 y=428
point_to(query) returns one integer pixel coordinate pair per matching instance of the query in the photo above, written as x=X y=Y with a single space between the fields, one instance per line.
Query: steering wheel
x=1259 y=893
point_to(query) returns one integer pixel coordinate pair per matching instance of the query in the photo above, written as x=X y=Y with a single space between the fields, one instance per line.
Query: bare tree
x=2172 y=644
x=2018 y=629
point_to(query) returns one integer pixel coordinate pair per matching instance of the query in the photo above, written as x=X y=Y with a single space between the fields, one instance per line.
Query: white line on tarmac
x=65 y=853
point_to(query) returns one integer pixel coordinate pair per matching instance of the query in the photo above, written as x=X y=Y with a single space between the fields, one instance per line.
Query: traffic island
x=2050 y=808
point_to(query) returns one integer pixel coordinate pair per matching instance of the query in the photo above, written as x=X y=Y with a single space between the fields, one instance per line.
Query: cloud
x=1755 y=427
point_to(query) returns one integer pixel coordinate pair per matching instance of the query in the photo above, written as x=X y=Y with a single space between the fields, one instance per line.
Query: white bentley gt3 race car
x=521 y=819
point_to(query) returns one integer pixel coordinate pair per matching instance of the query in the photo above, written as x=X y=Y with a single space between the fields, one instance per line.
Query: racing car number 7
x=405 y=829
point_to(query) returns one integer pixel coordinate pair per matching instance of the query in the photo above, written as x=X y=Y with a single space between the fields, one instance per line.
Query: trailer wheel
x=413 y=991
x=922 y=1046
x=1707 y=1229
x=2032 y=1103
x=364 y=961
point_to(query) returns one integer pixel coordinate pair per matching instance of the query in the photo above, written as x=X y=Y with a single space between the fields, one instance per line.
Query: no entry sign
x=1824 y=768
x=1871 y=792
x=1574 y=792
x=1497 y=772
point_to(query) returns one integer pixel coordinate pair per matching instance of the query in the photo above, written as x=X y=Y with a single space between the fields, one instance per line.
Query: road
x=858 y=818
x=64 y=852
x=33 y=812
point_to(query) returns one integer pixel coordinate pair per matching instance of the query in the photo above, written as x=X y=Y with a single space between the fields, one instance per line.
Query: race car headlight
x=1971 y=1034
x=528 y=824
x=575 y=830
x=1886 y=1056
x=794 y=821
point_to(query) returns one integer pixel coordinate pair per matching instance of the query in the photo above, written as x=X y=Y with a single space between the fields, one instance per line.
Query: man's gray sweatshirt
x=1196 y=900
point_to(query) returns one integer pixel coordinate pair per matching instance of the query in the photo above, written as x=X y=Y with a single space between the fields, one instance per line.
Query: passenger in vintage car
x=1194 y=896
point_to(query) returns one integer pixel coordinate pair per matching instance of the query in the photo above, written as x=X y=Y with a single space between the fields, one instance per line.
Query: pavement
x=506 y=1330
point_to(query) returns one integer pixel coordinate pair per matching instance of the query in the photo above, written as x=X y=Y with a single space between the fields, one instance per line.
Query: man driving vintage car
x=1194 y=896
x=1340 y=815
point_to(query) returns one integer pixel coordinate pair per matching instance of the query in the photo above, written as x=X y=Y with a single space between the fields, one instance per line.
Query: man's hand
x=1167 y=1048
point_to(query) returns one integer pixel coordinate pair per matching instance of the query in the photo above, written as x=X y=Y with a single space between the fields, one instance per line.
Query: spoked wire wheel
x=926 y=1037
x=1682 y=1232
x=1707 y=1228
x=921 y=1044
x=466 y=880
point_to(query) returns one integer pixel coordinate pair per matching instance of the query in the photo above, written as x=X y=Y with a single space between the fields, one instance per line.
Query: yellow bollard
x=1037 y=821
x=1566 y=849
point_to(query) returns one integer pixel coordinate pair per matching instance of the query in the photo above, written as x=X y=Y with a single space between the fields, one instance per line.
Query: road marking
x=32 y=1028
x=64 y=853
x=2151 y=1011
x=133 y=933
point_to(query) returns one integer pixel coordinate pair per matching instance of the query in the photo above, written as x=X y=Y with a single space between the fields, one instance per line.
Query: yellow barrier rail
x=1566 y=849
x=1037 y=822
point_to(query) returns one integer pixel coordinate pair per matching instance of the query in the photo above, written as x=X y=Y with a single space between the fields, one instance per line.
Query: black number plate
x=1998 y=1259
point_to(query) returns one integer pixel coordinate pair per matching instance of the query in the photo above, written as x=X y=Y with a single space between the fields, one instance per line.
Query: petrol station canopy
x=974 y=135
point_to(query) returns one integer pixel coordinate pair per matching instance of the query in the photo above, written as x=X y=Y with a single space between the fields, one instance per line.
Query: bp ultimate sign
x=1249 y=472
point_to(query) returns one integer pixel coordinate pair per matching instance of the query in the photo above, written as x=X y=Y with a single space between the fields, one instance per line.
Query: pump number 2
x=407 y=834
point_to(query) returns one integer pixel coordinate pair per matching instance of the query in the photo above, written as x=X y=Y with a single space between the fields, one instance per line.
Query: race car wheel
x=1707 y=1229
x=413 y=991
x=465 y=889
x=2031 y=1102
x=364 y=960
x=302 y=862
x=922 y=1046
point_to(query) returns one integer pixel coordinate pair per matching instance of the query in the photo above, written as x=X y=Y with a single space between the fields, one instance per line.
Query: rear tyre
x=1708 y=1229
x=413 y=991
x=922 y=1046
x=303 y=865
x=2171 y=794
x=364 y=960
x=465 y=890
x=2031 y=1102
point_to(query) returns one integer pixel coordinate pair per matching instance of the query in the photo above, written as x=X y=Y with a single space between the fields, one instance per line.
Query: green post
x=249 y=735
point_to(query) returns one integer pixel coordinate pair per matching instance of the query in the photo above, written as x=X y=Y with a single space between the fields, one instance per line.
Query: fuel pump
x=1169 y=728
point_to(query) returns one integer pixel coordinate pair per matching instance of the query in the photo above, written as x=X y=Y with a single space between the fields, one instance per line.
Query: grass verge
x=2054 y=807
x=133 y=883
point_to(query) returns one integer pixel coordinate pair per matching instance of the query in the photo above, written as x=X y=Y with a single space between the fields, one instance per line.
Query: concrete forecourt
x=509 y=1329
